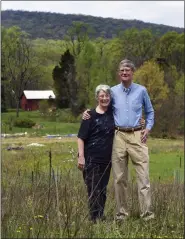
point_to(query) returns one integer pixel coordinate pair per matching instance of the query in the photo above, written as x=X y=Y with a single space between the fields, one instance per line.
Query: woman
x=95 y=138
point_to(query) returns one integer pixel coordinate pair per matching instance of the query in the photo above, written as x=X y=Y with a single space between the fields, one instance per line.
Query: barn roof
x=39 y=94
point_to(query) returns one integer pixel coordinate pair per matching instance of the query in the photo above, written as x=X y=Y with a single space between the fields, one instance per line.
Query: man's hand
x=81 y=162
x=86 y=115
x=144 y=135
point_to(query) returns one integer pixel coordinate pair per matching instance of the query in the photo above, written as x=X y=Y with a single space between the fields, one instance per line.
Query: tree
x=179 y=103
x=21 y=64
x=60 y=82
x=85 y=68
x=170 y=116
x=79 y=44
x=150 y=75
x=77 y=36
x=171 y=47
x=65 y=83
x=3 y=82
x=137 y=45
x=103 y=61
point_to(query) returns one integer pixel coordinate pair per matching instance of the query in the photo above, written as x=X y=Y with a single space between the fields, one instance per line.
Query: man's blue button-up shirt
x=128 y=104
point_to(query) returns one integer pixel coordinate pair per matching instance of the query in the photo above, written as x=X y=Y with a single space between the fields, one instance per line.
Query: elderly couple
x=108 y=136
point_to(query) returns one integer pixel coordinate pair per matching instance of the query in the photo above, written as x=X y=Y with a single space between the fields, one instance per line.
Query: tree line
x=49 y=25
x=75 y=65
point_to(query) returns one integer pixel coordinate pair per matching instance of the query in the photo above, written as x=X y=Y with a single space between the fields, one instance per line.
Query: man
x=130 y=140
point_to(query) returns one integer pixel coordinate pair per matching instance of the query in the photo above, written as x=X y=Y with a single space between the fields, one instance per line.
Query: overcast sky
x=169 y=13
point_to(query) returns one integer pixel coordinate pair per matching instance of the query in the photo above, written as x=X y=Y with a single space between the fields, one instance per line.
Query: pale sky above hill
x=169 y=13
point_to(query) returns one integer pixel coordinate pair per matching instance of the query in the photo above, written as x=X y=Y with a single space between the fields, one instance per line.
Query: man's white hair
x=127 y=63
x=105 y=88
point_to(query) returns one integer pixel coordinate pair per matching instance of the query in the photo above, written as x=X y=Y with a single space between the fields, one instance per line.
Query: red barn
x=31 y=98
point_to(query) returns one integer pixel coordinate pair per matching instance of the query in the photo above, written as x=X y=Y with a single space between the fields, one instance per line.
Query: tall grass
x=44 y=196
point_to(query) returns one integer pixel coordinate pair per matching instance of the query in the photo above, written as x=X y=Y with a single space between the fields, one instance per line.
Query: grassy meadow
x=50 y=124
x=44 y=196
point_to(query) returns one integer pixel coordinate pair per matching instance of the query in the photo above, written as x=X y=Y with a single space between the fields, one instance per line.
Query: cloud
x=161 y=12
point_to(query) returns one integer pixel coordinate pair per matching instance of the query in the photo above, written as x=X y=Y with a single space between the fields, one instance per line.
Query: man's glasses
x=125 y=70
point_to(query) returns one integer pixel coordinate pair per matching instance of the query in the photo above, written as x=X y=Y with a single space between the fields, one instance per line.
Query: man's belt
x=128 y=129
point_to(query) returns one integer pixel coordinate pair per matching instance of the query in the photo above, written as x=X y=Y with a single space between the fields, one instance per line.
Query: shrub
x=24 y=123
x=43 y=106
x=65 y=115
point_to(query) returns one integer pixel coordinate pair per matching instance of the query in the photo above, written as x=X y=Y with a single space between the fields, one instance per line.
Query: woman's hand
x=86 y=115
x=81 y=162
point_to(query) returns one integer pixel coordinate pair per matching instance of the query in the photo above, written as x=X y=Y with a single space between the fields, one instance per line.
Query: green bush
x=24 y=123
x=43 y=106
x=65 y=115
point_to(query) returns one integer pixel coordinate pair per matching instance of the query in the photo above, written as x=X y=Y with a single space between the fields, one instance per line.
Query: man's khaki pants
x=129 y=144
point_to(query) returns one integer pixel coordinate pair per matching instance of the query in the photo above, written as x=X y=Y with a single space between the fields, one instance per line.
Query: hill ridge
x=51 y=25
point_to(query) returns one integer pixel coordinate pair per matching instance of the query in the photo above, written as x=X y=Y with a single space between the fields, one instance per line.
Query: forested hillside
x=75 y=63
x=54 y=25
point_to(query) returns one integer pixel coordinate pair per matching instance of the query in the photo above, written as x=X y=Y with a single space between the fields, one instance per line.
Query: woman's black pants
x=96 y=177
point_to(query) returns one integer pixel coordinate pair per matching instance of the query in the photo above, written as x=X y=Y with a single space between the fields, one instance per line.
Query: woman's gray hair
x=105 y=88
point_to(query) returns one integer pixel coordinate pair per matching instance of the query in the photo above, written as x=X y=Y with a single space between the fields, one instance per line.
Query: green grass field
x=51 y=125
x=44 y=196
x=164 y=160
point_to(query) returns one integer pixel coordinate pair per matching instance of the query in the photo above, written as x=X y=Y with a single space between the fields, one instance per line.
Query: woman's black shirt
x=97 y=133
